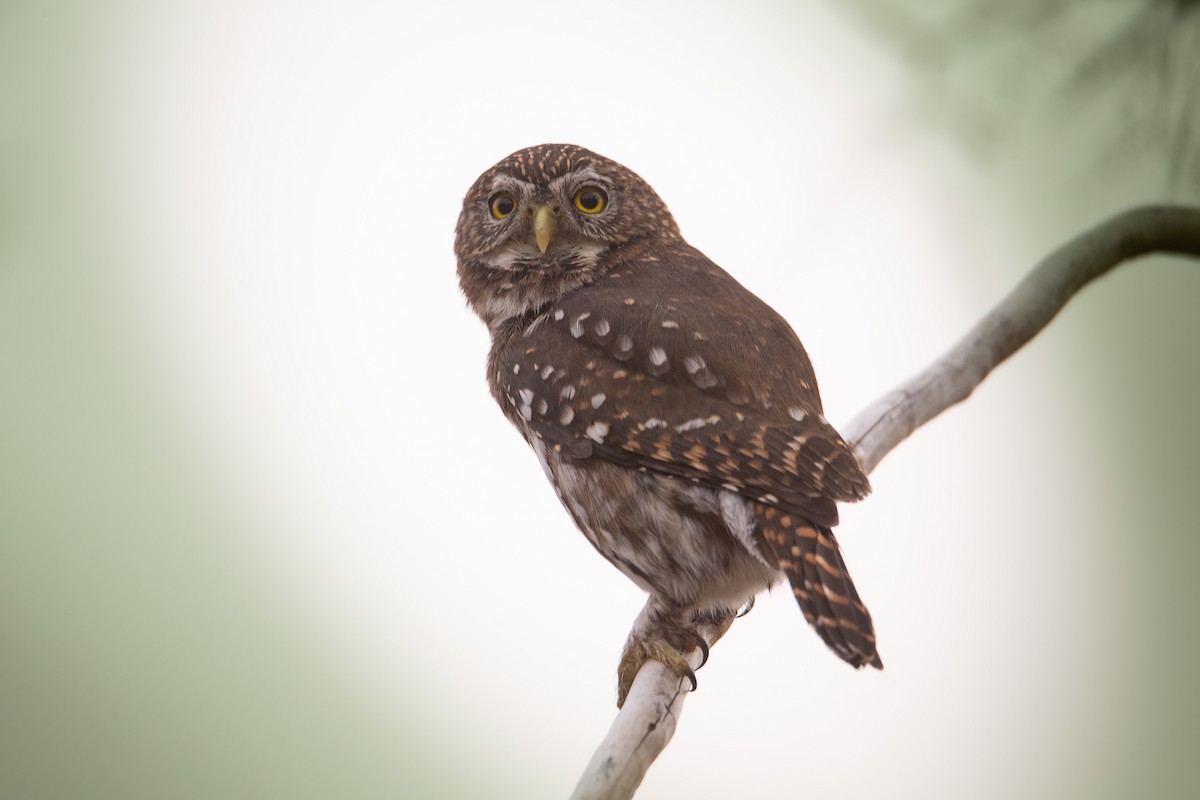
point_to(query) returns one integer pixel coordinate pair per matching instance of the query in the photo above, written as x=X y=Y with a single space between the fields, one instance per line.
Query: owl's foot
x=669 y=635
x=668 y=645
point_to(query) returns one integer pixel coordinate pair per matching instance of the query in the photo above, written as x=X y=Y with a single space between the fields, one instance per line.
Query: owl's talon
x=639 y=650
x=703 y=655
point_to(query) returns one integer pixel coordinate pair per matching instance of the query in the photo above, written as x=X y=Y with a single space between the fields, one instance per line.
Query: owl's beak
x=544 y=220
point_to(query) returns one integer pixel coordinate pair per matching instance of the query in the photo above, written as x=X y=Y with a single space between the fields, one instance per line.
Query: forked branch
x=647 y=721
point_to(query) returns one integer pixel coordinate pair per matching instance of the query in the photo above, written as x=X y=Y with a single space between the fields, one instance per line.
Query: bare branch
x=1017 y=319
x=640 y=732
x=647 y=722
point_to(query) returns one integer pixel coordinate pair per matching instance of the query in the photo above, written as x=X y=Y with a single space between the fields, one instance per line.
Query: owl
x=675 y=413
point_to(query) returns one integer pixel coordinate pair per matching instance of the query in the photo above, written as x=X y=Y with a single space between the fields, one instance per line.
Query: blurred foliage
x=986 y=65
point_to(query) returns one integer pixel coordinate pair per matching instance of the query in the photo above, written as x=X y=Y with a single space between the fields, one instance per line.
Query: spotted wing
x=670 y=365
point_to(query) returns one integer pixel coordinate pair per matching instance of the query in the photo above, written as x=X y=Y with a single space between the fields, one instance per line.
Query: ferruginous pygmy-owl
x=675 y=413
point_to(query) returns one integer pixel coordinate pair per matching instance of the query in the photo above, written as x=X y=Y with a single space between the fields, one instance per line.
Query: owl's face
x=546 y=220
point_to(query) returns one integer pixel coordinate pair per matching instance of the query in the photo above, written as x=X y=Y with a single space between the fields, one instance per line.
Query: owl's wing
x=672 y=366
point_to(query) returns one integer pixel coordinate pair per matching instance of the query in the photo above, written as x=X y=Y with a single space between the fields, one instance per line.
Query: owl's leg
x=668 y=634
x=663 y=632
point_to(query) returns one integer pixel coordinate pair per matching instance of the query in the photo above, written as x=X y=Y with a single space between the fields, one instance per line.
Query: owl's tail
x=809 y=556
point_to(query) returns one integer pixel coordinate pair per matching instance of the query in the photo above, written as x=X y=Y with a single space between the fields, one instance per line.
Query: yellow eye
x=502 y=204
x=591 y=200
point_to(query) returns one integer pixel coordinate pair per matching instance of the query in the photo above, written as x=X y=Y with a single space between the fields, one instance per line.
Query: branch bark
x=1017 y=319
x=642 y=729
x=646 y=723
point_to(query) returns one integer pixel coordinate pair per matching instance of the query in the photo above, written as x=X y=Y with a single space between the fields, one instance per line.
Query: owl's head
x=546 y=220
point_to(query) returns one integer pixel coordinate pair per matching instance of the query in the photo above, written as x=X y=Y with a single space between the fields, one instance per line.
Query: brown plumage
x=676 y=414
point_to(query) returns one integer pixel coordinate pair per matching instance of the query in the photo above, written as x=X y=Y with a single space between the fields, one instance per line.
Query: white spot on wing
x=654 y=422
x=566 y=415
x=658 y=356
x=693 y=364
x=670 y=323
x=602 y=328
x=577 y=324
x=559 y=314
x=597 y=431
x=598 y=400
x=624 y=343
x=797 y=413
x=698 y=422
x=526 y=396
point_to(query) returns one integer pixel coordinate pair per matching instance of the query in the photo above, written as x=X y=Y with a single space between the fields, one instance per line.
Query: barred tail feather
x=809 y=555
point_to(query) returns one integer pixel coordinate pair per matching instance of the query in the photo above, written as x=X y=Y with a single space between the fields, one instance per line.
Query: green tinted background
x=152 y=646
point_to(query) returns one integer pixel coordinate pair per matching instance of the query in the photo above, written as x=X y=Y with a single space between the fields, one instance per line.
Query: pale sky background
x=263 y=532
